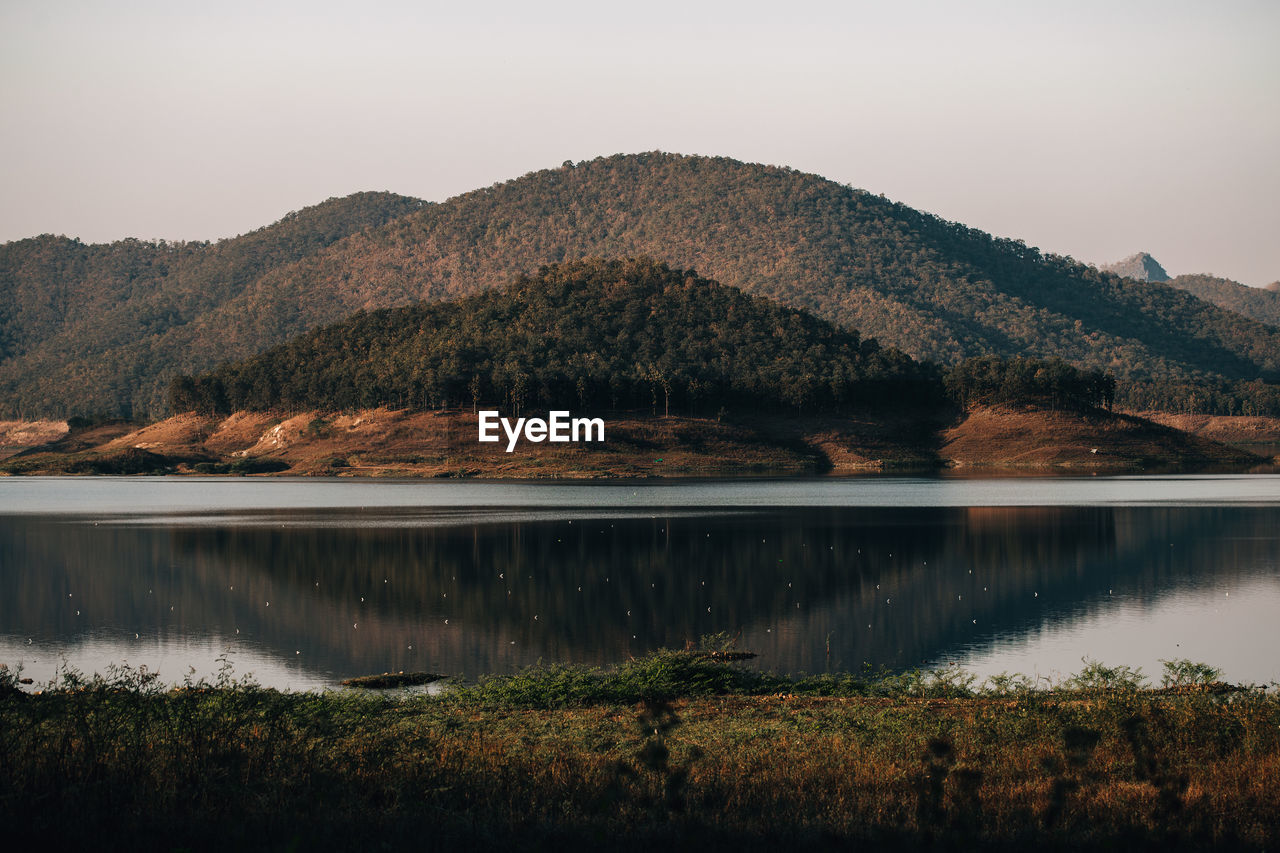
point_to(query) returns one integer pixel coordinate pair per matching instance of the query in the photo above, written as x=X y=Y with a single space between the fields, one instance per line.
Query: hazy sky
x=1089 y=129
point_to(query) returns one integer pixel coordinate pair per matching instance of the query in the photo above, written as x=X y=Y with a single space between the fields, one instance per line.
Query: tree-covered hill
x=932 y=288
x=80 y=323
x=592 y=335
x=1258 y=303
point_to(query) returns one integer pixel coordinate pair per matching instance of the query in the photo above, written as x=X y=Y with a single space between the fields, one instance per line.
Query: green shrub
x=1184 y=673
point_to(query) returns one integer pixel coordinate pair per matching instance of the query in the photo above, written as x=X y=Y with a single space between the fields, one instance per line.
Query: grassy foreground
x=672 y=750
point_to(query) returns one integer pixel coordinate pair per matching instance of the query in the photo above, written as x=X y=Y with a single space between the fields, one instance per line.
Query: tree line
x=592 y=334
x=613 y=335
x=992 y=380
x=1258 y=397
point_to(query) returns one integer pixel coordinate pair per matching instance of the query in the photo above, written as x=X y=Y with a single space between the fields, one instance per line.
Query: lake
x=305 y=582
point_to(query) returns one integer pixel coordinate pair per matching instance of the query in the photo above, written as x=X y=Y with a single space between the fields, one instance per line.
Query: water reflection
x=305 y=597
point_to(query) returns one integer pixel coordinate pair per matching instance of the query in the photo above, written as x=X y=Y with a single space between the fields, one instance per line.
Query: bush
x=1186 y=673
x=1096 y=677
x=135 y=460
x=258 y=465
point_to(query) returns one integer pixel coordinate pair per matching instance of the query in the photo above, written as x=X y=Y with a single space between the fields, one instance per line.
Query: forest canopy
x=992 y=380
x=620 y=334
x=590 y=334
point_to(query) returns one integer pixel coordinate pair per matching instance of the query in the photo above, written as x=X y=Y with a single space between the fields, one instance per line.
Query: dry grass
x=1242 y=429
x=123 y=765
x=1013 y=437
x=16 y=436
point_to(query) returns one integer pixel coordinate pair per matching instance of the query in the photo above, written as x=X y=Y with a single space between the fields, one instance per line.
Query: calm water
x=306 y=582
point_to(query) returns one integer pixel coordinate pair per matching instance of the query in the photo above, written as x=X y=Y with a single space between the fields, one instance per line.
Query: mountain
x=82 y=326
x=932 y=288
x=1259 y=303
x=1273 y=287
x=1141 y=266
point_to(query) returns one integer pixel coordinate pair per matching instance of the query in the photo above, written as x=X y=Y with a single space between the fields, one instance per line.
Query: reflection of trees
x=678 y=576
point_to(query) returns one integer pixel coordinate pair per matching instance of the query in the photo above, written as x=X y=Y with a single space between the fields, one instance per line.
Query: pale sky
x=1092 y=129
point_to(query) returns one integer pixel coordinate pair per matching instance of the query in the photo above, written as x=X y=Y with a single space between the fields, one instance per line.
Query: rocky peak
x=1141 y=266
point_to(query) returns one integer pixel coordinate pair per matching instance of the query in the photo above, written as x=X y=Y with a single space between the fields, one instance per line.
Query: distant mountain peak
x=1141 y=266
x=1274 y=287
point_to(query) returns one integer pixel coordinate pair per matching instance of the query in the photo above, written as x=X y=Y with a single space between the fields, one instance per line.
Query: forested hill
x=591 y=335
x=932 y=288
x=85 y=327
x=1261 y=304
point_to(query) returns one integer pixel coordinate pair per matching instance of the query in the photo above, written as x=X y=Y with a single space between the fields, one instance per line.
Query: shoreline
x=382 y=443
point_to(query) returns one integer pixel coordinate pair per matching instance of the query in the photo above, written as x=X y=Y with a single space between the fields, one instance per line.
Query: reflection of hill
x=594 y=590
